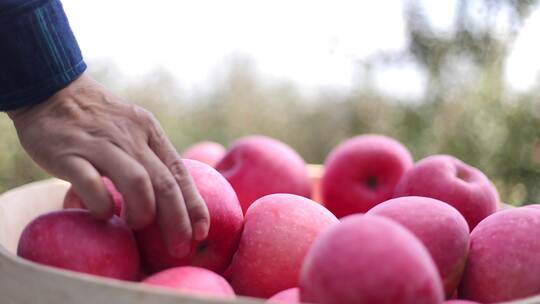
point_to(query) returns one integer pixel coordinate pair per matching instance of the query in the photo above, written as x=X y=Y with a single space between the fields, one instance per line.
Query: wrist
x=58 y=98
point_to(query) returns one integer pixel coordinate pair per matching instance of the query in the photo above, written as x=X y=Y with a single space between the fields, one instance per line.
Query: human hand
x=84 y=131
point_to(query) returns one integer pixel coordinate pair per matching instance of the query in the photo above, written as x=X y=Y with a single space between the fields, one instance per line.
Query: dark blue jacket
x=38 y=52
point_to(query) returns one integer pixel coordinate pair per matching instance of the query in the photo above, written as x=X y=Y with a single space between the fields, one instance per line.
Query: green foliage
x=16 y=168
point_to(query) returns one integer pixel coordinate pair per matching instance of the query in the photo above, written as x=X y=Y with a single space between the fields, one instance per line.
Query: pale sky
x=314 y=44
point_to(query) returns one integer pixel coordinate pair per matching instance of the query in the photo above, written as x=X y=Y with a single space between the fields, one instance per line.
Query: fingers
x=196 y=207
x=171 y=211
x=131 y=179
x=87 y=183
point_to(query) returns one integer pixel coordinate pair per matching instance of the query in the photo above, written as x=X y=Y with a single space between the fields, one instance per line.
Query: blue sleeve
x=38 y=52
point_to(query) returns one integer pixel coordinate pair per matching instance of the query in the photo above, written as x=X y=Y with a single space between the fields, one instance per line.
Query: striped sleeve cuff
x=39 y=54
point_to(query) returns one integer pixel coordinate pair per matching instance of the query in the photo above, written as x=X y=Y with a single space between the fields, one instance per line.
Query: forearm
x=38 y=52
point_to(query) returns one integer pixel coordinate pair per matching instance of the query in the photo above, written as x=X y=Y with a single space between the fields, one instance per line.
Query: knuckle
x=138 y=180
x=142 y=114
x=181 y=179
x=149 y=122
x=146 y=119
x=178 y=169
x=156 y=133
x=198 y=209
x=139 y=154
x=90 y=180
x=165 y=184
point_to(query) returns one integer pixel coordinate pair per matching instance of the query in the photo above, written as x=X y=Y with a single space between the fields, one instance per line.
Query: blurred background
x=460 y=77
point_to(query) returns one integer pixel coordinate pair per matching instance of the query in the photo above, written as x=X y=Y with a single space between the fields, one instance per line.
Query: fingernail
x=200 y=230
x=181 y=250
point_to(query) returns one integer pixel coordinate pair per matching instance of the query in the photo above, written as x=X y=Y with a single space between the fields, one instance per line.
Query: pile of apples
x=385 y=230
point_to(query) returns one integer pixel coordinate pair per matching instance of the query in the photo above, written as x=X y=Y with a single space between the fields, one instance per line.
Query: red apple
x=369 y=259
x=257 y=165
x=291 y=295
x=72 y=200
x=504 y=259
x=439 y=226
x=226 y=220
x=278 y=231
x=207 y=152
x=535 y=206
x=452 y=181
x=460 y=302
x=74 y=240
x=362 y=172
x=192 y=280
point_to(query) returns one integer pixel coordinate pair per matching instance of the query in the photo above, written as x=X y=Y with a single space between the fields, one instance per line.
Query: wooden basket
x=25 y=282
